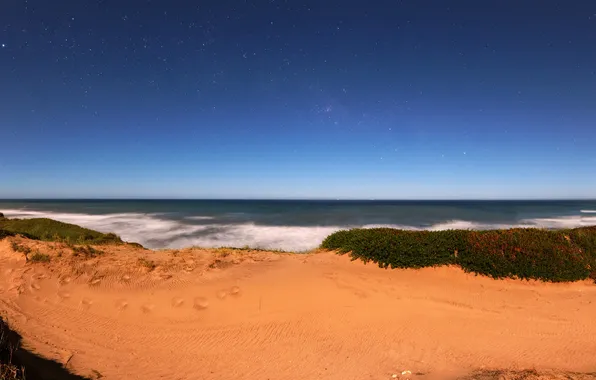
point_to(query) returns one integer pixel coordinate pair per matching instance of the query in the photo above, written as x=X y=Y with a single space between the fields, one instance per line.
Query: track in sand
x=213 y=314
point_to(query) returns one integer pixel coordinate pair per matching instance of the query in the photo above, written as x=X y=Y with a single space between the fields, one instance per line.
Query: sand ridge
x=211 y=314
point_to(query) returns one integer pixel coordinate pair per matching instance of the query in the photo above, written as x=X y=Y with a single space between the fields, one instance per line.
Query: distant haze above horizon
x=298 y=100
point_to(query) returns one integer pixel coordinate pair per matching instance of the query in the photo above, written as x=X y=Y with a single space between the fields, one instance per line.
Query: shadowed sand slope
x=128 y=313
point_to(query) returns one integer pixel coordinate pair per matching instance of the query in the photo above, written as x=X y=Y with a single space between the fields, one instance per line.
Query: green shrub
x=525 y=253
x=343 y=241
x=585 y=237
x=398 y=249
x=136 y=245
x=5 y=234
x=86 y=250
x=39 y=257
x=149 y=264
x=52 y=230
x=564 y=255
x=20 y=248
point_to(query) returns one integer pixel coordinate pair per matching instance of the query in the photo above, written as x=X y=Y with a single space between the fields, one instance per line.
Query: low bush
x=525 y=253
x=39 y=257
x=8 y=369
x=398 y=249
x=149 y=264
x=562 y=255
x=16 y=363
x=585 y=237
x=136 y=245
x=5 y=234
x=86 y=250
x=20 y=248
x=52 y=230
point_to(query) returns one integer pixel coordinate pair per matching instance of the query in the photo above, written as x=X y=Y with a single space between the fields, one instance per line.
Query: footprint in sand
x=95 y=281
x=201 y=303
x=39 y=276
x=65 y=280
x=235 y=291
x=148 y=308
x=177 y=302
x=121 y=305
x=222 y=294
x=1 y=290
x=64 y=295
x=125 y=278
x=35 y=286
x=86 y=303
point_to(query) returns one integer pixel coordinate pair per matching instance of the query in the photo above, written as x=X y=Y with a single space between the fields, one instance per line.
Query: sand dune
x=214 y=314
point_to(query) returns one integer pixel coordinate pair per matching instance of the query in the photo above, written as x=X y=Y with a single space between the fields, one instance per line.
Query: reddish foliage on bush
x=563 y=255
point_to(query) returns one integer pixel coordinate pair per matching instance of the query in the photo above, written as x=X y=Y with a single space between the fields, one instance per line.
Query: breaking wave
x=154 y=231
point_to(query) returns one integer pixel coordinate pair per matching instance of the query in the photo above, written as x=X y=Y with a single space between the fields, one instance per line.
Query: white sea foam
x=588 y=211
x=199 y=217
x=561 y=222
x=153 y=231
x=466 y=225
x=146 y=229
x=267 y=237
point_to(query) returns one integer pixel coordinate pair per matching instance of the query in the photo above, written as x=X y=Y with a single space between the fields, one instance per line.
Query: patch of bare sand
x=130 y=313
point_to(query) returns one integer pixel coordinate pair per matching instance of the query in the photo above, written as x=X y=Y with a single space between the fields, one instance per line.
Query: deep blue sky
x=295 y=99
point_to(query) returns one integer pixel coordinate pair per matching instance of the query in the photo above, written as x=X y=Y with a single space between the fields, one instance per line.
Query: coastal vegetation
x=8 y=370
x=39 y=257
x=52 y=230
x=20 y=248
x=17 y=363
x=548 y=255
x=149 y=264
x=86 y=251
x=525 y=253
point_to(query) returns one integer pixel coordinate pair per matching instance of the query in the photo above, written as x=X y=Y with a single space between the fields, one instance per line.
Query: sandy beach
x=131 y=313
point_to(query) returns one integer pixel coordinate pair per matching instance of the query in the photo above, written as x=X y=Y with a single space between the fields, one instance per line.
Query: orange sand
x=217 y=314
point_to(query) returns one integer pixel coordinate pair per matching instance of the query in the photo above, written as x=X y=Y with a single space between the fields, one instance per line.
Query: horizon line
x=290 y=199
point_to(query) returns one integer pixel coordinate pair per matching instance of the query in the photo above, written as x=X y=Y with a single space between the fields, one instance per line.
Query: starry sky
x=298 y=99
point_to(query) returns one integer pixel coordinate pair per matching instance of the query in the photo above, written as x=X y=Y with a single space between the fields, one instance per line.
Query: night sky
x=298 y=99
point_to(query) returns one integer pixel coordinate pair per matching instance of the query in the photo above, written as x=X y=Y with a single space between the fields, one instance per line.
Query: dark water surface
x=290 y=224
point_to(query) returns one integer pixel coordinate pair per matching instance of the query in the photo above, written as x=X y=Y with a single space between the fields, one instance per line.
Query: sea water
x=292 y=225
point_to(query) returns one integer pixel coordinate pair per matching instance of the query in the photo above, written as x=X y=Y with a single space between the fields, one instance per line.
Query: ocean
x=291 y=225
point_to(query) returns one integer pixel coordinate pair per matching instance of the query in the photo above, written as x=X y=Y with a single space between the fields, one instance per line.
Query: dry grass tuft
x=149 y=264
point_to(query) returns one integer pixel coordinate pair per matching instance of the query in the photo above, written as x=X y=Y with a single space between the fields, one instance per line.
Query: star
x=3 y=45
